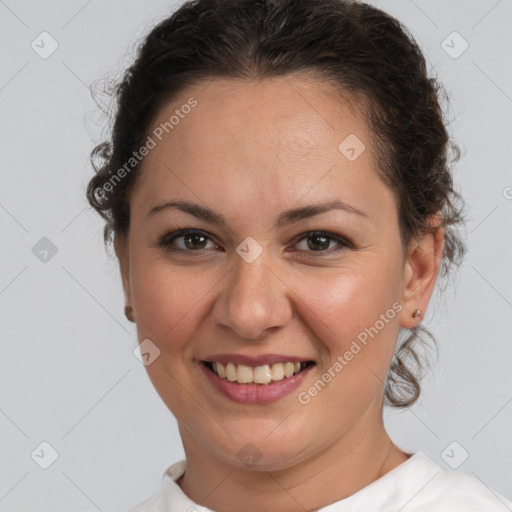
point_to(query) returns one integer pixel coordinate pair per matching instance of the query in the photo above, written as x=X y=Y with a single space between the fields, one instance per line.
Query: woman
x=278 y=192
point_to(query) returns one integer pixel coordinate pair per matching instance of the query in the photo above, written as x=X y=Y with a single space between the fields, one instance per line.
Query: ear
x=421 y=268
x=121 y=250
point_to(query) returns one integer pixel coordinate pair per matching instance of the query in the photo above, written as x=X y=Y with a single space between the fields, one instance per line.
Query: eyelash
x=167 y=241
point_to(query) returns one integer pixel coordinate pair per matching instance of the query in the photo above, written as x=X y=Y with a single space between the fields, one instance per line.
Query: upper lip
x=259 y=360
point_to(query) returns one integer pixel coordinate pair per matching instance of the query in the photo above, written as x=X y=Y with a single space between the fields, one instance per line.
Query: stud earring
x=416 y=314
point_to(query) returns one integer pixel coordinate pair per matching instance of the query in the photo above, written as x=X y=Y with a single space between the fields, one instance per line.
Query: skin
x=250 y=150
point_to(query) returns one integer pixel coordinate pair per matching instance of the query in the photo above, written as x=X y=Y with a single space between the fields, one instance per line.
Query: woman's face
x=295 y=257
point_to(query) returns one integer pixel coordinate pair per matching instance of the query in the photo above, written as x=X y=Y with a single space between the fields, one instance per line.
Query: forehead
x=290 y=136
x=293 y=108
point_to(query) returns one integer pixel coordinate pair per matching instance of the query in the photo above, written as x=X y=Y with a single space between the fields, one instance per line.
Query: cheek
x=354 y=312
x=167 y=301
x=356 y=321
x=169 y=304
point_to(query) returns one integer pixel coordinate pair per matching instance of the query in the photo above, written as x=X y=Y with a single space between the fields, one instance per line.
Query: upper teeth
x=259 y=375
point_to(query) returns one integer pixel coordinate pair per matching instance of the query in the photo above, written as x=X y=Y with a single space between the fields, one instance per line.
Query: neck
x=339 y=470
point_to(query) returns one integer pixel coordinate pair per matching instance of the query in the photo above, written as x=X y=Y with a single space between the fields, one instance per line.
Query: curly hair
x=364 y=52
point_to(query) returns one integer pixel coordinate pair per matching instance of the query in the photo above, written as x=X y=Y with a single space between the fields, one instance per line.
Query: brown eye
x=187 y=241
x=195 y=241
x=318 y=242
x=322 y=242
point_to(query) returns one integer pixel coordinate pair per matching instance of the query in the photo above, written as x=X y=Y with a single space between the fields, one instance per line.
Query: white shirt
x=418 y=484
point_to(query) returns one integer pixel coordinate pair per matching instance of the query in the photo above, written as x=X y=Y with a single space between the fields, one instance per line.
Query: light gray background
x=68 y=375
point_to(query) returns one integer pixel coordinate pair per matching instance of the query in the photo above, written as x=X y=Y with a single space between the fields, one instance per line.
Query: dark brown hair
x=359 y=49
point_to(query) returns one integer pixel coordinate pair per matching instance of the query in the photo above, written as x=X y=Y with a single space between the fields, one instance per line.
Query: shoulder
x=420 y=485
x=438 y=489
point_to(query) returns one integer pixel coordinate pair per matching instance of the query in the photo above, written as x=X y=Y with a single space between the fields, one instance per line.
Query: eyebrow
x=201 y=212
x=287 y=217
x=296 y=214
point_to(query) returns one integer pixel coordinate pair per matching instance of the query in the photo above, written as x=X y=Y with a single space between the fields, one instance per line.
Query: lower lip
x=256 y=393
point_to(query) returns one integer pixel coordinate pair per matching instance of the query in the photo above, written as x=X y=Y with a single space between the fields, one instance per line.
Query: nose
x=254 y=300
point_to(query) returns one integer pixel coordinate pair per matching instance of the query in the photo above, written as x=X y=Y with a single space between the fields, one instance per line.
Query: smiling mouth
x=264 y=374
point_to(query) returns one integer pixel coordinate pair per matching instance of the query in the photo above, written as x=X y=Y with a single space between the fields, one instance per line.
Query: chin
x=260 y=452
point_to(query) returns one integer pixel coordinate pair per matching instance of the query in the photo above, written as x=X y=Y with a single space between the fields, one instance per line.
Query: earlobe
x=420 y=274
x=128 y=313
x=121 y=250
